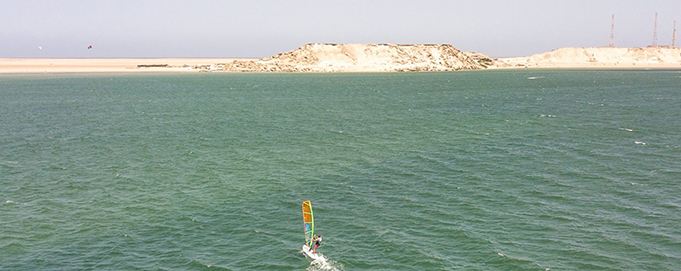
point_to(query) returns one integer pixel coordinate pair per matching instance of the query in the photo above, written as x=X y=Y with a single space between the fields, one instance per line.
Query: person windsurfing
x=317 y=240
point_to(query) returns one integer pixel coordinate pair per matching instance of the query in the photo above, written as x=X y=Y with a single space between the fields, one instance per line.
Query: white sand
x=598 y=57
x=85 y=65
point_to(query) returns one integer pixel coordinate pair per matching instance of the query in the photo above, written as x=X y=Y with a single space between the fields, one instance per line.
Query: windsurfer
x=317 y=240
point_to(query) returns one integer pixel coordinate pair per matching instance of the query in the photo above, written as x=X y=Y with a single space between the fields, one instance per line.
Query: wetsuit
x=318 y=242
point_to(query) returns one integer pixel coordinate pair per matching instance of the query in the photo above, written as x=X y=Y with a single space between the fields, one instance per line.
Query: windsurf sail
x=308 y=222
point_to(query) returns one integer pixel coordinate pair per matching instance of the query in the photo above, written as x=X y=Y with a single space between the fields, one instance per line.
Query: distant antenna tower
x=612 y=32
x=674 y=35
x=655 y=32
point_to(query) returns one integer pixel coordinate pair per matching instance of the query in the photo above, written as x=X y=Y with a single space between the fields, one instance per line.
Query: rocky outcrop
x=318 y=57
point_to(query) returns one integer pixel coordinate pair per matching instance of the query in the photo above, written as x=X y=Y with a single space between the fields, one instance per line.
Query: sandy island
x=87 y=65
x=365 y=58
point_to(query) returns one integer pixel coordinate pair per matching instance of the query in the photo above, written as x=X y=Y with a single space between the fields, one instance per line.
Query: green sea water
x=481 y=170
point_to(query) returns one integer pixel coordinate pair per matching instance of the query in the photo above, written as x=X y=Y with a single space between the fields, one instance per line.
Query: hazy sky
x=258 y=28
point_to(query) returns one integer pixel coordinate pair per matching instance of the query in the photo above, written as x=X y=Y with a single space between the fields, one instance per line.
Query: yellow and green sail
x=308 y=222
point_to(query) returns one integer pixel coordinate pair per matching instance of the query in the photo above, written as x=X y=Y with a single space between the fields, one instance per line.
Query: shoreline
x=333 y=58
x=108 y=65
x=592 y=67
x=193 y=65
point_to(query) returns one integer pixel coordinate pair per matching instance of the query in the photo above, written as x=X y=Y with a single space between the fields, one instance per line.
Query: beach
x=90 y=65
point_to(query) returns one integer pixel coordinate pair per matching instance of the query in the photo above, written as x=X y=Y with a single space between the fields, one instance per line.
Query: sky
x=260 y=28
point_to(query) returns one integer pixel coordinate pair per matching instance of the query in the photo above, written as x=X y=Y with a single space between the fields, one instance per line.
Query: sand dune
x=598 y=57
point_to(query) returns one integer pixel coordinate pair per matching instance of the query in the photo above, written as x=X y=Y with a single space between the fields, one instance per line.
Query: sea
x=470 y=170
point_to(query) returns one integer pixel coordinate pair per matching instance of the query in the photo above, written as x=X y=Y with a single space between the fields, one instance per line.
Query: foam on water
x=323 y=263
